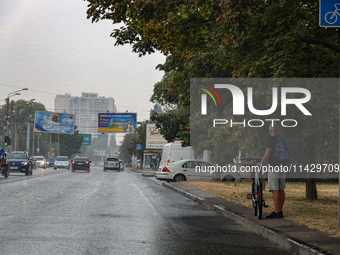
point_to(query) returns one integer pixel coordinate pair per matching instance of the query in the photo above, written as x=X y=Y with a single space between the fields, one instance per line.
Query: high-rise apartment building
x=85 y=109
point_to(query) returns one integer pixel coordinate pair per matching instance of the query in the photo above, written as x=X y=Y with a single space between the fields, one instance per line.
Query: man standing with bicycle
x=277 y=152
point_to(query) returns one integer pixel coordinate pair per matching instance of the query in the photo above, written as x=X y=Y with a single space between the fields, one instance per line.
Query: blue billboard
x=52 y=122
x=117 y=122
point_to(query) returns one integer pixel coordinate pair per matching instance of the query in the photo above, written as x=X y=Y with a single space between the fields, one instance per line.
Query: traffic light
x=9 y=141
x=6 y=140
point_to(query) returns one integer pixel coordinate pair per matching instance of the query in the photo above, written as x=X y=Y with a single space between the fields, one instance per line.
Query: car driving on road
x=81 y=163
x=20 y=162
x=112 y=164
x=50 y=161
x=40 y=161
x=62 y=162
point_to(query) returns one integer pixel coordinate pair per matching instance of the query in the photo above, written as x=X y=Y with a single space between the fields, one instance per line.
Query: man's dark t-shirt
x=271 y=143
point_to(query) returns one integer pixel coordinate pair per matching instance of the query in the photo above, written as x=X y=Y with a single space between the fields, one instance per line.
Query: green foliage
x=26 y=110
x=70 y=144
x=127 y=147
x=173 y=123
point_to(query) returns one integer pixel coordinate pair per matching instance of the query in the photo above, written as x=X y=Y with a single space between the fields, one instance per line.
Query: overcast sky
x=51 y=48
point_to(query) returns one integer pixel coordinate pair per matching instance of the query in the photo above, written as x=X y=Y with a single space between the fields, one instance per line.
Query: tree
x=70 y=144
x=126 y=148
x=25 y=110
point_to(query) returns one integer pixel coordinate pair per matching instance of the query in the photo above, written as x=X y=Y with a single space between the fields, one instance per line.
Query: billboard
x=52 y=122
x=117 y=122
x=154 y=138
x=87 y=139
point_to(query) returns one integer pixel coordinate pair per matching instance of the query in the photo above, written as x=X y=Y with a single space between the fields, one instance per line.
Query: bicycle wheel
x=331 y=17
x=253 y=197
x=259 y=201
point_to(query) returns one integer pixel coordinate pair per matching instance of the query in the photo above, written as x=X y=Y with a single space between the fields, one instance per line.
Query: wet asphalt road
x=60 y=212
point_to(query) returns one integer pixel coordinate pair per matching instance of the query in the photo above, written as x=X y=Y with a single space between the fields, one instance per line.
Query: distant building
x=85 y=109
x=61 y=103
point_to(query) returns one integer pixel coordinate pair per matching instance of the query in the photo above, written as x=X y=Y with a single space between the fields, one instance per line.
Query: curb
x=272 y=235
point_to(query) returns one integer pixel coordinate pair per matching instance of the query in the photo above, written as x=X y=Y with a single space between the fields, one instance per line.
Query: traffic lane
x=16 y=176
x=211 y=232
x=73 y=213
x=112 y=212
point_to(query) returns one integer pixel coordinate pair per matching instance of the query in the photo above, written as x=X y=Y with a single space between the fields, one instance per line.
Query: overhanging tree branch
x=327 y=45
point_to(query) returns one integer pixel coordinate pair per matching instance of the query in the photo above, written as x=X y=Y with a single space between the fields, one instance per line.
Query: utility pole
x=6 y=118
x=58 y=145
x=50 y=150
x=33 y=141
x=38 y=143
x=17 y=132
x=28 y=136
x=11 y=136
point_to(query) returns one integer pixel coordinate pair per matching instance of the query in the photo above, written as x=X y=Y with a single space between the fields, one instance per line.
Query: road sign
x=329 y=13
x=138 y=146
x=87 y=139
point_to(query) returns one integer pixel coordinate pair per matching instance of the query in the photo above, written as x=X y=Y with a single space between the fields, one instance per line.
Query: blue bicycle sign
x=329 y=12
x=332 y=17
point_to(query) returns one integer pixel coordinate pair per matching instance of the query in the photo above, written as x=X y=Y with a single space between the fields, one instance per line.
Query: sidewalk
x=287 y=234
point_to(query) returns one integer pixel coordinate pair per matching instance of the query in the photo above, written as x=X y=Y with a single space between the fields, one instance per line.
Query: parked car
x=50 y=161
x=62 y=162
x=121 y=164
x=19 y=161
x=173 y=152
x=40 y=161
x=112 y=164
x=186 y=170
x=81 y=163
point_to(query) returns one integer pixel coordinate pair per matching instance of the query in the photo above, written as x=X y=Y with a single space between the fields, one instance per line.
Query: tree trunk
x=311 y=192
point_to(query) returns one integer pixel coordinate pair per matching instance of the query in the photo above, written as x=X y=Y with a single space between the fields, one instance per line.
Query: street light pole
x=7 y=108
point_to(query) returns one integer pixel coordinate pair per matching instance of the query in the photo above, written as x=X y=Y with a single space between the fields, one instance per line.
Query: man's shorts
x=276 y=181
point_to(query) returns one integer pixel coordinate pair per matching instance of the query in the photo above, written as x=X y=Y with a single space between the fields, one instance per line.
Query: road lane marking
x=158 y=214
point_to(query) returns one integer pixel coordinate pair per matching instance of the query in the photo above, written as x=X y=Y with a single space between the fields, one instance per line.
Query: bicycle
x=256 y=192
x=331 y=17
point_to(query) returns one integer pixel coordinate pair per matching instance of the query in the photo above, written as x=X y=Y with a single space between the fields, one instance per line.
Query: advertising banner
x=117 y=122
x=87 y=139
x=154 y=138
x=52 y=122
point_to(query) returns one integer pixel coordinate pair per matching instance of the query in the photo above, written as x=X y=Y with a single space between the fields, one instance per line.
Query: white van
x=174 y=152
